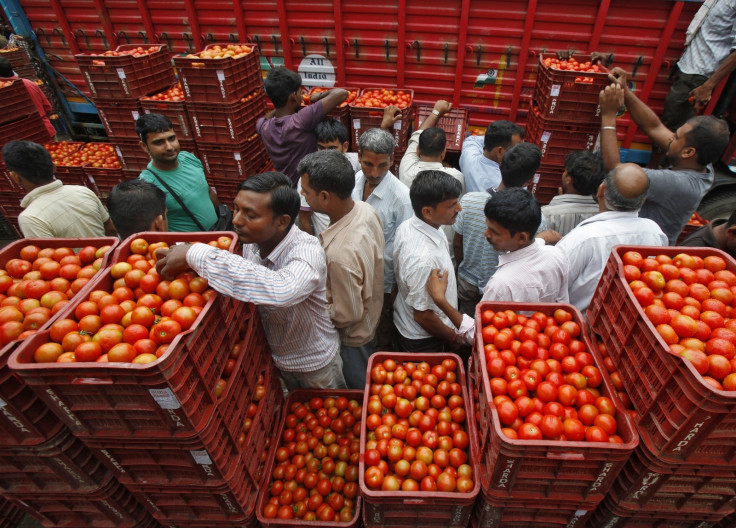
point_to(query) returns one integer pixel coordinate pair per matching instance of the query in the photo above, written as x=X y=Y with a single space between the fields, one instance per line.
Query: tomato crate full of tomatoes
x=666 y=317
x=160 y=352
x=552 y=427
x=342 y=112
x=30 y=128
x=317 y=443
x=611 y=514
x=454 y=123
x=221 y=73
x=419 y=463
x=557 y=139
x=118 y=116
x=128 y=72
x=568 y=90
x=366 y=111
x=170 y=104
x=491 y=512
x=234 y=162
x=15 y=101
x=222 y=124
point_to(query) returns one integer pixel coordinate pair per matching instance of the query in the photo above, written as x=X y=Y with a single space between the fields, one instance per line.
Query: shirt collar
x=609 y=215
x=435 y=235
x=38 y=191
x=281 y=247
x=329 y=234
x=382 y=190
x=572 y=199
x=512 y=256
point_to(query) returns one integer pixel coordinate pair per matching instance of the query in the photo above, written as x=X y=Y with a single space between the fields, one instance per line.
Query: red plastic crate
x=454 y=123
x=15 y=102
x=301 y=395
x=565 y=95
x=362 y=118
x=17 y=57
x=8 y=183
x=110 y=506
x=609 y=514
x=127 y=77
x=119 y=117
x=70 y=175
x=30 y=128
x=342 y=112
x=175 y=111
x=131 y=155
x=512 y=513
x=10 y=513
x=546 y=182
x=557 y=138
x=398 y=156
x=219 y=80
x=221 y=124
x=237 y=162
x=546 y=470
x=103 y=180
x=681 y=418
x=227 y=188
x=691 y=228
x=421 y=508
x=62 y=464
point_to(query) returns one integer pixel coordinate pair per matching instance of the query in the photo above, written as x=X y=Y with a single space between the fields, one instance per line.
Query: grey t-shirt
x=673 y=197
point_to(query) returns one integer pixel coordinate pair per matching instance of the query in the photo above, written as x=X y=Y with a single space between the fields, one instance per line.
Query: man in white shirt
x=419 y=248
x=480 y=156
x=588 y=246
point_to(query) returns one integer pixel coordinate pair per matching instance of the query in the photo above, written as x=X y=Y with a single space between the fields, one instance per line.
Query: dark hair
x=432 y=141
x=330 y=130
x=328 y=170
x=30 y=160
x=134 y=205
x=709 y=136
x=431 y=187
x=519 y=164
x=280 y=83
x=284 y=198
x=516 y=210
x=586 y=170
x=731 y=219
x=498 y=134
x=6 y=69
x=148 y=123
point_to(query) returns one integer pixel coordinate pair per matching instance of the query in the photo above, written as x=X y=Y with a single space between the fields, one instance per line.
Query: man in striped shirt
x=283 y=271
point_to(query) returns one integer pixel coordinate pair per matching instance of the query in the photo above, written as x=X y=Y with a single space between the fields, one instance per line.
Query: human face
x=678 y=144
x=333 y=145
x=163 y=147
x=253 y=218
x=445 y=213
x=501 y=238
x=310 y=195
x=375 y=166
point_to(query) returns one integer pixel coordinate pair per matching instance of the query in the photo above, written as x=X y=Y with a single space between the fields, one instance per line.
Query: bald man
x=588 y=246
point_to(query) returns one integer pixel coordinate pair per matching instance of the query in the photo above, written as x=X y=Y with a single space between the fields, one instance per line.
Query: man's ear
x=427 y=212
x=442 y=156
x=283 y=221
x=522 y=237
x=15 y=177
x=689 y=152
x=346 y=146
x=160 y=224
x=144 y=147
x=601 y=190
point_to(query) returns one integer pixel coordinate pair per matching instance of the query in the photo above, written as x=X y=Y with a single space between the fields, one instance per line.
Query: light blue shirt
x=480 y=172
x=391 y=201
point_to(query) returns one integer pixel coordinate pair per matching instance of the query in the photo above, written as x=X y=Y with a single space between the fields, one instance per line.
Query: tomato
x=48 y=353
x=165 y=331
x=87 y=351
x=62 y=327
x=122 y=352
x=574 y=429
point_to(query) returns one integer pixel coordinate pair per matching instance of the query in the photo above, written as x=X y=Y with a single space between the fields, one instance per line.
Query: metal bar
x=194 y=24
x=657 y=60
x=523 y=56
x=600 y=21
x=147 y=22
x=66 y=28
x=339 y=48
x=461 y=40
x=400 y=46
x=284 y=28
x=106 y=23
x=240 y=20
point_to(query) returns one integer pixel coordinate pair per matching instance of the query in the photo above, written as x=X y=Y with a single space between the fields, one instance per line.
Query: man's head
x=136 y=206
x=265 y=208
x=519 y=164
x=432 y=143
x=283 y=87
x=728 y=244
x=158 y=138
x=624 y=189
x=327 y=179
x=376 y=154
x=6 y=69
x=512 y=218
x=434 y=197
x=583 y=174
x=332 y=134
x=30 y=161
x=500 y=135
x=698 y=142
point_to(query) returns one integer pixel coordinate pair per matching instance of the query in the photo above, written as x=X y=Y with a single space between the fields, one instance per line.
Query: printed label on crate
x=646 y=487
x=230 y=504
x=114 y=510
x=121 y=72
x=221 y=80
x=75 y=421
x=64 y=467
x=579 y=514
x=12 y=418
x=681 y=446
x=113 y=461
x=554 y=90
x=201 y=457
x=90 y=83
x=545 y=137
x=504 y=474
x=135 y=115
x=356 y=123
x=220 y=75
x=2 y=403
x=602 y=477
x=397 y=125
x=165 y=398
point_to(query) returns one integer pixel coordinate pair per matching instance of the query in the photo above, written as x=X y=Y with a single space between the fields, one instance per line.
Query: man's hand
x=391 y=114
x=564 y=54
x=171 y=262
x=442 y=106
x=700 y=96
x=618 y=76
x=611 y=99
x=437 y=285
x=550 y=236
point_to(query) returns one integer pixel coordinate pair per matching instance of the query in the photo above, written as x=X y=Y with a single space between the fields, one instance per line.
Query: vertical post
x=65 y=27
x=600 y=21
x=284 y=27
x=339 y=48
x=401 y=46
x=523 y=57
x=194 y=24
x=147 y=22
x=240 y=20
x=461 y=40
x=112 y=37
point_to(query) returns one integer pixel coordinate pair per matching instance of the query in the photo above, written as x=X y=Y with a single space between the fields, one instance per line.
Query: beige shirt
x=354 y=248
x=56 y=210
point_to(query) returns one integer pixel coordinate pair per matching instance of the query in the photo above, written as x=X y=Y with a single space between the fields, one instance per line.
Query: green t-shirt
x=189 y=182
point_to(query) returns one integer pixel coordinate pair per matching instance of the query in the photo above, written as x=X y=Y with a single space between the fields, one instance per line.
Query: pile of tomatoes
x=416 y=438
x=139 y=51
x=691 y=302
x=572 y=64
x=316 y=473
x=614 y=377
x=4 y=84
x=543 y=381
x=172 y=94
x=98 y=155
x=696 y=220
x=135 y=319
x=61 y=150
x=381 y=98
x=216 y=51
x=352 y=94
x=37 y=284
x=250 y=96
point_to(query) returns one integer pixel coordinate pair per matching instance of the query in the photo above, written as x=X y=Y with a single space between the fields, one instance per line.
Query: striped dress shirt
x=288 y=286
x=714 y=41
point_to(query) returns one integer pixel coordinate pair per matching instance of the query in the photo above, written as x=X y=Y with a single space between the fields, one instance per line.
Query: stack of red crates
x=529 y=481
x=224 y=99
x=162 y=430
x=683 y=471
x=363 y=118
x=564 y=117
x=116 y=83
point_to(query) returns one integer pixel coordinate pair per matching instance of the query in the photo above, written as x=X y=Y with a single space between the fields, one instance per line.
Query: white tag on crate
x=537 y=176
x=545 y=137
x=135 y=115
x=356 y=123
x=201 y=457
x=165 y=398
x=121 y=73
x=237 y=156
x=397 y=125
x=220 y=75
x=554 y=91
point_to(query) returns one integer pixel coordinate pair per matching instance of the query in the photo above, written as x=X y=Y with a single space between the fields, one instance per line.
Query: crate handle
x=326 y=42
x=257 y=40
x=638 y=63
x=100 y=34
x=565 y=456
x=275 y=44
x=190 y=41
x=61 y=35
x=41 y=33
x=125 y=36
x=92 y=381
x=143 y=36
x=86 y=40
x=447 y=49
x=415 y=501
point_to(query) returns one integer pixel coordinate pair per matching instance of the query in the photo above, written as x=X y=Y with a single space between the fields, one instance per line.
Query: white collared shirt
x=418 y=249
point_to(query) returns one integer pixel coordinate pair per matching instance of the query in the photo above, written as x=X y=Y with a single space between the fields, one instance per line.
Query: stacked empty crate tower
x=564 y=117
x=223 y=90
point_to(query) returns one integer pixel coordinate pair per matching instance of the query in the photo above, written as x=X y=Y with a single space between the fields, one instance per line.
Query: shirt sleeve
x=34 y=228
x=497 y=291
x=308 y=117
x=403 y=213
x=416 y=278
x=411 y=157
x=346 y=286
x=247 y=281
x=466 y=332
x=472 y=149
